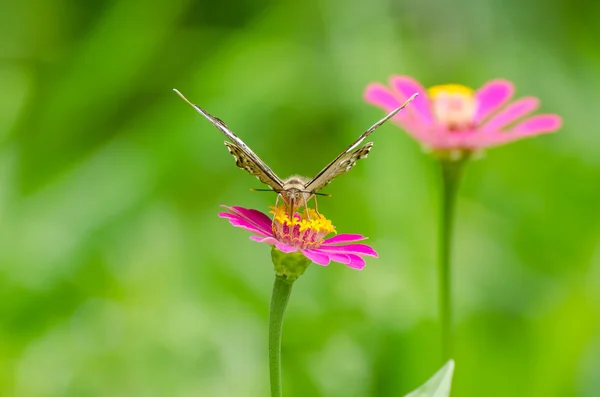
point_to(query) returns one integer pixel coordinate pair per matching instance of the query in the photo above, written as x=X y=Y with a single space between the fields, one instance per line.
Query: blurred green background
x=117 y=278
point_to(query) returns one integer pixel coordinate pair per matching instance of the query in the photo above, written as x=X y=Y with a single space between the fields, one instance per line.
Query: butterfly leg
x=306 y=206
x=307 y=200
x=275 y=209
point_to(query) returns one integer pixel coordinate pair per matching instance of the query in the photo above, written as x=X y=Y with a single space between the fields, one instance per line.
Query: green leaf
x=438 y=385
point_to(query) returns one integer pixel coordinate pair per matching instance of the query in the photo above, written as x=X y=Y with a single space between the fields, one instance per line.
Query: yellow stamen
x=437 y=90
x=309 y=219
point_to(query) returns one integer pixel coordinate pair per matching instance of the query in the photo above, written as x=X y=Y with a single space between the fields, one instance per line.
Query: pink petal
x=261 y=219
x=256 y=218
x=535 y=125
x=237 y=221
x=538 y=125
x=344 y=238
x=359 y=249
x=340 y=258
x=317 y=257
x=511 y=113
x=356 y=262
x=405 y=86
x=286 y=249
x=491 y=97
x=267 y=240
x=379 y=95
x=351 y=260
x=409 y=119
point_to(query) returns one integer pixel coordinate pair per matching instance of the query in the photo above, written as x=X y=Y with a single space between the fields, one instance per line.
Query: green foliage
x=117 y=278
x=438 y=385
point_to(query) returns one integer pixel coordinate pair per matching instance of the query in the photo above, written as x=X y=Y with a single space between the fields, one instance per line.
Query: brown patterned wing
x=246 y=162
x=346 y=160
x=245 y=158
x=341 y=166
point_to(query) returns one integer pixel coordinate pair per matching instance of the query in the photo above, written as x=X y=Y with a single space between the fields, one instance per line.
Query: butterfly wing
x=254 y=166
x=245 y=158
x=346 y=160
x=341 y=166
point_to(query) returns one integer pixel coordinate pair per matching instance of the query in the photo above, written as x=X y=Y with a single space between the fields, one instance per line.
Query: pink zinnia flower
x=453 y=118
x=305 y=233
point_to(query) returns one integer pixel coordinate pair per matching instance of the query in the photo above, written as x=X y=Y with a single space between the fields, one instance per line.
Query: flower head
x=452 y=118
x=304 y=233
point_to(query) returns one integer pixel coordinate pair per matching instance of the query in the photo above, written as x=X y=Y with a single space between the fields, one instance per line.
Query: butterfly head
x=294 y=194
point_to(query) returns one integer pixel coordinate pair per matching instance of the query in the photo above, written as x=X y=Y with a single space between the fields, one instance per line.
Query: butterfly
x=296 y=190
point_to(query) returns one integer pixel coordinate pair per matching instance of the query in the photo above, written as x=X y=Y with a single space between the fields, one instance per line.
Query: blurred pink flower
x=453 y=118
x=305 y=233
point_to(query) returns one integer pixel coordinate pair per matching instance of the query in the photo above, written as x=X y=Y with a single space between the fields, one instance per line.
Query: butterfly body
x=295 y=191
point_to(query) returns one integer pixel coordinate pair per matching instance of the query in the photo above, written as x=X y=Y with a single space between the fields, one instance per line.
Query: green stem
x=282 y=288
x=450 y=176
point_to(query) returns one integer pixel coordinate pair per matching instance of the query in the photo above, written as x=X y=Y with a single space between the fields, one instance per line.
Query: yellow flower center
x=303 y=230
x=453 y=106
x=309 y=219
x=442 y=89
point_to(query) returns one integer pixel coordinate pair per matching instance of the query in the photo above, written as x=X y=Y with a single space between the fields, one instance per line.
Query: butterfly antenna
x=262 y=190
x=321 y=194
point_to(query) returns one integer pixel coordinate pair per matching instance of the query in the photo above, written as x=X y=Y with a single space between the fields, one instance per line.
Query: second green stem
x=450 y=178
